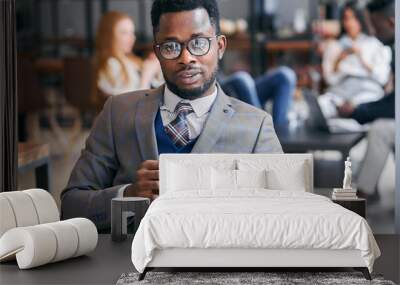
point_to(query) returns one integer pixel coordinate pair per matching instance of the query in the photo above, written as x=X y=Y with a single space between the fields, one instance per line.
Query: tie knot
x=183 y=108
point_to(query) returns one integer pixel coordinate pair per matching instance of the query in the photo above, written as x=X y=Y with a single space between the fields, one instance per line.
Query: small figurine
x=347 y=174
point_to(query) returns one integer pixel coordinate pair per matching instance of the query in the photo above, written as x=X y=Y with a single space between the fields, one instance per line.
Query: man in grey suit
x=189 y=114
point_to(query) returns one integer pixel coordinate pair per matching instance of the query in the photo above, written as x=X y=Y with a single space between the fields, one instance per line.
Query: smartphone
x=346 y=44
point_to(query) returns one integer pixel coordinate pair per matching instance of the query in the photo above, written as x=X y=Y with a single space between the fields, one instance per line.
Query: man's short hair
x=161 y=7
x=386 y=7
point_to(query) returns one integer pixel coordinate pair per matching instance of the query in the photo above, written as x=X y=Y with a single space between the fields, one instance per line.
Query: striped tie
x=178 y=129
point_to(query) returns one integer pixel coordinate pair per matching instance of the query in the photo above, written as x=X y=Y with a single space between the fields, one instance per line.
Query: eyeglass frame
x=184 y=45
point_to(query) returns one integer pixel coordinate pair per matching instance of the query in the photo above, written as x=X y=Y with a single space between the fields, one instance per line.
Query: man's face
x=189 y=76
x=384 y=27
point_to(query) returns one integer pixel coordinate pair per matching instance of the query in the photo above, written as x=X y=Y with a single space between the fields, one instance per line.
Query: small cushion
x=224 y=179
x=251 y=178
x=277 y=180
x=283 y=174
x=188 y=177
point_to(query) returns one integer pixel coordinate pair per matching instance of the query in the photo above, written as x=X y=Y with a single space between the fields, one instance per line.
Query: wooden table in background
x=49 y=65
x=289 y=45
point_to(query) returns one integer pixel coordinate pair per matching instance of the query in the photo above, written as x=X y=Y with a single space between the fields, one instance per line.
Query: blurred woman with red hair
x=117 y=69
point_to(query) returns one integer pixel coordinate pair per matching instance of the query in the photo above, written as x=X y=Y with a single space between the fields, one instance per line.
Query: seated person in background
x=117 y=69
x=381 y=143
x=381 y=136
x=189 y=114
x=382 y=15
x=356 y=67
x=278 y=85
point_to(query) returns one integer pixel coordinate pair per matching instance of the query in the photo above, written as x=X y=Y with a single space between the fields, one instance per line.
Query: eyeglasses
x=197 y=46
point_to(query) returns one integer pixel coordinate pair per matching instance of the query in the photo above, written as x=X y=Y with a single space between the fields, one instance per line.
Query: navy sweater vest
x=164 y=142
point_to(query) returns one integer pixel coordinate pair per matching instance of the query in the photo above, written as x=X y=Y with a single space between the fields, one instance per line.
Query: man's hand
x=146 y=184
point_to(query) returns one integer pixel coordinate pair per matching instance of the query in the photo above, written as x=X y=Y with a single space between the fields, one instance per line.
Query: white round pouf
x=31 y=230
x=40 y=244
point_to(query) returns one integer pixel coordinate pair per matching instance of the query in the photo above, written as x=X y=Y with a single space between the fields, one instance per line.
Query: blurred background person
x=277 y=85
x=381 y=136
x=383 y=21
x=117 y=69
x=356 y=66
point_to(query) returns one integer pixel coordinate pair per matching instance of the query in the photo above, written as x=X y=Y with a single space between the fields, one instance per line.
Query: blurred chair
x=31 y=98
x=79 y=88
x=78 y=77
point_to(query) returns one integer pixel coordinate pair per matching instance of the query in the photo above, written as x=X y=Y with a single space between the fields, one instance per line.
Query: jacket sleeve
x=90 y=187
x=267 y=140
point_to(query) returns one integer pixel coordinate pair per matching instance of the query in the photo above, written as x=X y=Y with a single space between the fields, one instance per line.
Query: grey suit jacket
x=123 y=136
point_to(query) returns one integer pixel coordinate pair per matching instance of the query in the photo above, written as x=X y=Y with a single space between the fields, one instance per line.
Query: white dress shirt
x=195 y=120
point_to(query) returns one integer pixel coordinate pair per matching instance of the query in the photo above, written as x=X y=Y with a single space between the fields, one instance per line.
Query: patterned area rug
x=242 y=278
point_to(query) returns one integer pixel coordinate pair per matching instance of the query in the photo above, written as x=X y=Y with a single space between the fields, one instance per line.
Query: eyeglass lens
x=196 y=46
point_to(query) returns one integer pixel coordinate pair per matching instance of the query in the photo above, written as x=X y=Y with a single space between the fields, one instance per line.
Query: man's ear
x=155 y=50
x=222 y=42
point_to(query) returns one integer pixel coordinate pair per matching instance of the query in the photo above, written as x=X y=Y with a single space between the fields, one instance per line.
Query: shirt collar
x=200 y=106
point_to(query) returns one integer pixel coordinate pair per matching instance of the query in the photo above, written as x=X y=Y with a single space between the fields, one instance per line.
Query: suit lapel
x=217 y=121
x=144 y=123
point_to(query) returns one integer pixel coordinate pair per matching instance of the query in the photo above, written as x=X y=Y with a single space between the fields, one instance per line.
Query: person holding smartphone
x=356 y=67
